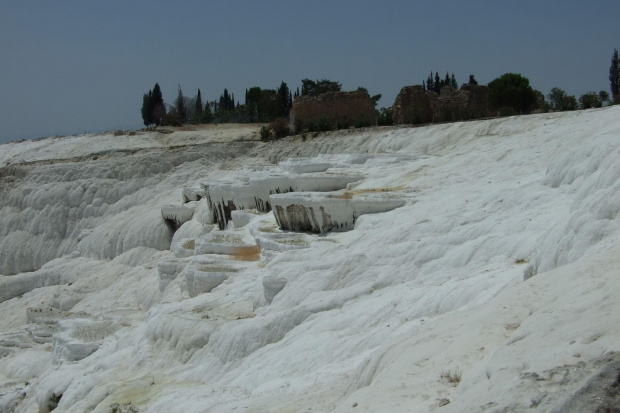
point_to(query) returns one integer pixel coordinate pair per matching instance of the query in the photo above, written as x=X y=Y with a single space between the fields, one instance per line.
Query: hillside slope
x=491 y=289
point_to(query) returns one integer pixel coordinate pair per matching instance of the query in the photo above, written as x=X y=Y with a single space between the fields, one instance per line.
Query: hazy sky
x=80 y=66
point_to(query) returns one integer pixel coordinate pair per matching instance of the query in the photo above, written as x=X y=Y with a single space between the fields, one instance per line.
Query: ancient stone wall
x=417 y=106
x=336 y=109
x=414 y=105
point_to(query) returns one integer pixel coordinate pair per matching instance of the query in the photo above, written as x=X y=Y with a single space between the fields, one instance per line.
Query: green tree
x=513 y=92
x=252 y=100
x=589 y=100
x=179 y=104
x=603 y=96
x=146 y=110
x=312 y=88
x=198 y=110
x=158 y=107
x=437 y=84
x=560 y=101
x=207 y=115
x=472 y=80
x=430 y=84
x=283 y=99
x=614 y=75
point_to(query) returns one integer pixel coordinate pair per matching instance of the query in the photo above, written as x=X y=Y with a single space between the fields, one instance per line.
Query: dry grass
x=452 y=376
x=190 y=245
x=521 y=261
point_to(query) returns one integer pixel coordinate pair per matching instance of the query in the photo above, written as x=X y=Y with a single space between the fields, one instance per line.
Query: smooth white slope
x=370 y=319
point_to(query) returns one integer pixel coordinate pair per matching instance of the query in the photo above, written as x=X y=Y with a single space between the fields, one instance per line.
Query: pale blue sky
x=79 y=66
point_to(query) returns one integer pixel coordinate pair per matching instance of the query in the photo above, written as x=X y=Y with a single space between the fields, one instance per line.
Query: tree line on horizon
x=510 y=94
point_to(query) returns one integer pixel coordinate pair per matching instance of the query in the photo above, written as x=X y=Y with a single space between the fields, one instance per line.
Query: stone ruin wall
x=340 y=109
x=418 y=106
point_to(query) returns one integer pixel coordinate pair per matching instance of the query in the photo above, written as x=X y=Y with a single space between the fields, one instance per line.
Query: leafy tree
x=589 y=100
x=252 y=100
x=384 y=117
x=512 y=91
x=614 y=75
x=559 y=100
x=312 y=88
x=604 y=97
x=472 y=80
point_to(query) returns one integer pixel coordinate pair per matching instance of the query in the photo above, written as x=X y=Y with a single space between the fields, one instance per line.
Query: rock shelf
x=321 y=213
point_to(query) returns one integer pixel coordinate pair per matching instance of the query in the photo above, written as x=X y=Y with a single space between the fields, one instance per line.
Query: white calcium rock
x=193 y=194
x=304 y=165
x=176 y=215
x=320 y=212
x=226 y=243
x=168 y=270
x=272 y=285
x=78 y=339
x=199 y=282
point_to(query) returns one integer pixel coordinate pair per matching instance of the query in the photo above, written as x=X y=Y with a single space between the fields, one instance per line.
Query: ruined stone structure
x=338 y=109
x=417 y=106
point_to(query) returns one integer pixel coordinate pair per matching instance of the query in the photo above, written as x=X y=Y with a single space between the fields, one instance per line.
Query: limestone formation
x=272 y=285
x=176 y=215
x=321 y=213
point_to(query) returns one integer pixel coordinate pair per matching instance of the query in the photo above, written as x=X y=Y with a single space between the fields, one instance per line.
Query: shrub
x=384 y=117
x=319 y=125
x=452 y=376
x=342 y=125
x=280 y=128
x=362 y=122
x=52 y=402
x=123 y=408
x=512 y=91
x=265 y=134
x=590 y=100
x=171 y=119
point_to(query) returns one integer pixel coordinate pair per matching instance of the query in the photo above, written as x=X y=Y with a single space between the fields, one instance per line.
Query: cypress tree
x=180 y=106
x=614 y=75
x=199 y=105
x=146 y=109
x=158 y=109
x=207 y=115
x=437 y=84
x=453 y=82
